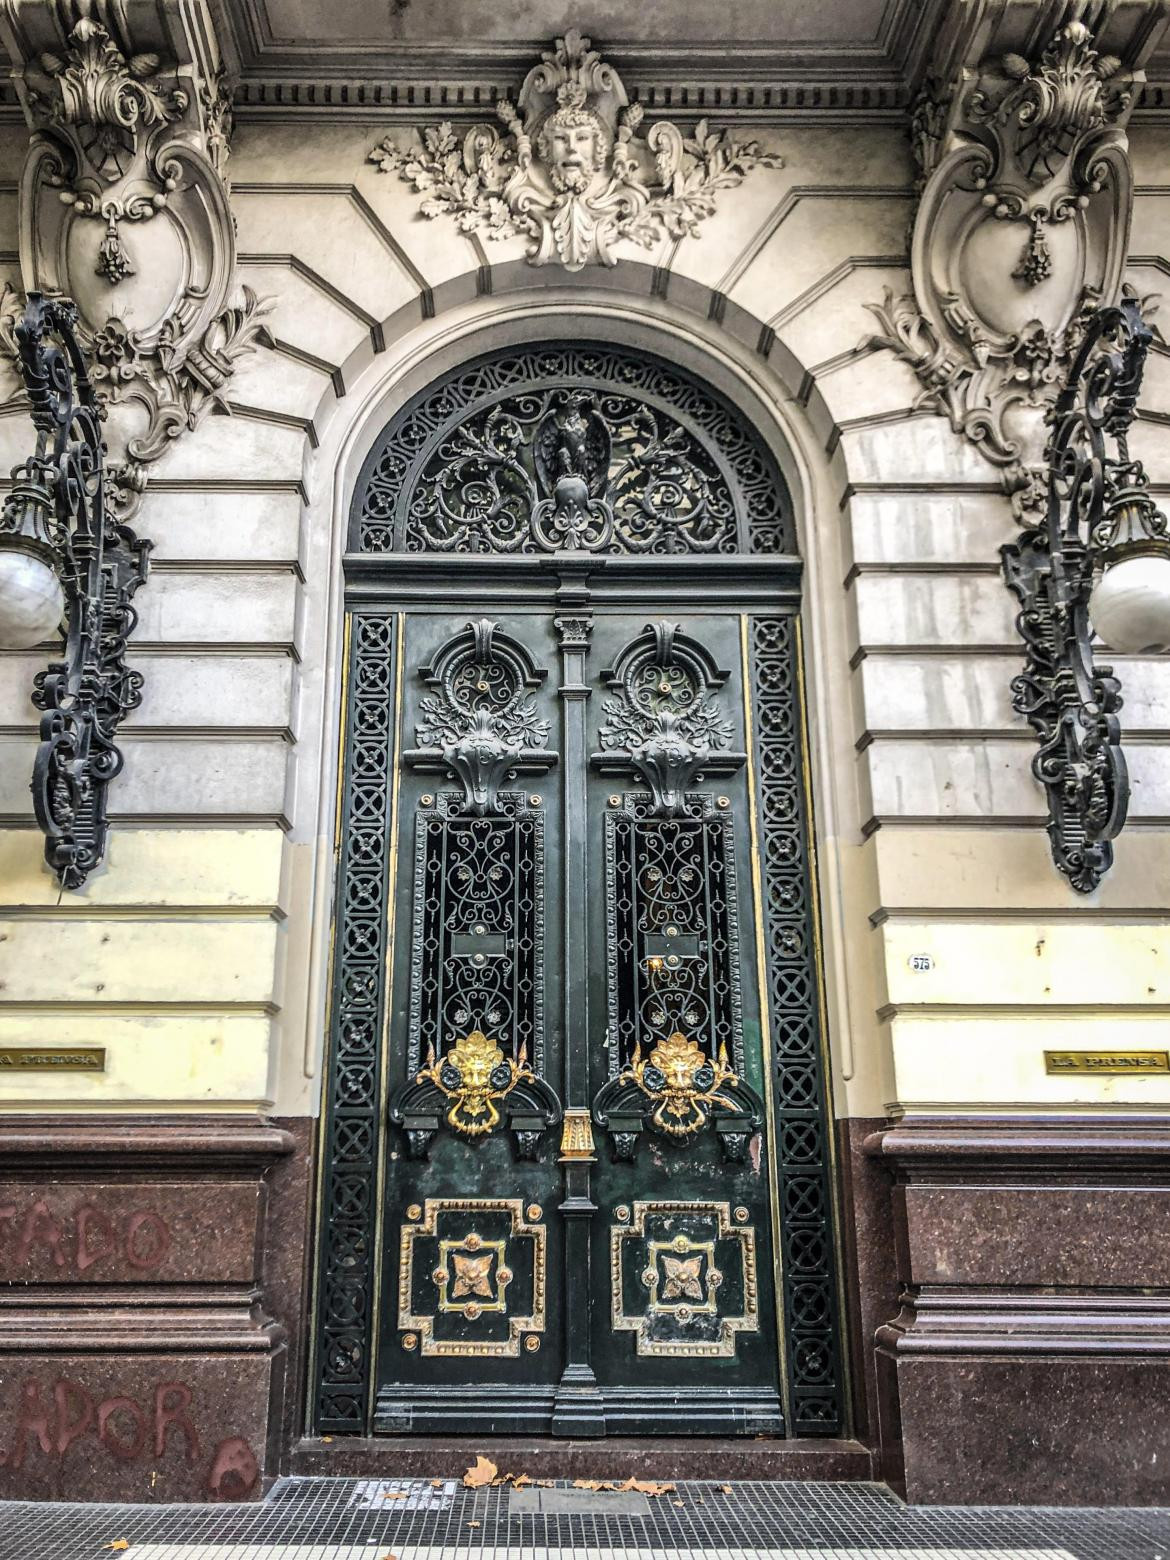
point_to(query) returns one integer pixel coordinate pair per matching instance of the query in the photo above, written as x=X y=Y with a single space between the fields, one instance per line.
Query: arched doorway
x=576 y=1169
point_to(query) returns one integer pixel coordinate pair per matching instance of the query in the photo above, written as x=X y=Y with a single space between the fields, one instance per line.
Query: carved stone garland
x=570 y=173
x=124 y=208
x=1022 y=227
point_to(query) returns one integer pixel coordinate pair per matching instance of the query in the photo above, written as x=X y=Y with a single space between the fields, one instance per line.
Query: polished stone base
x=1030 y=1362
x=137 y=1358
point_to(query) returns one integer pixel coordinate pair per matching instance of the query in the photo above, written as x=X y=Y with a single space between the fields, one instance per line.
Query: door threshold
x=609 y=1457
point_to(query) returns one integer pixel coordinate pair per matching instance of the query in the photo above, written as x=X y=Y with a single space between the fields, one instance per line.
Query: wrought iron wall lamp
x=67 y=562
x=1100 y=562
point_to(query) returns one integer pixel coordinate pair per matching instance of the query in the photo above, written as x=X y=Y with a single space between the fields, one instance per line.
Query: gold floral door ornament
x=472 y=1277
x=683 y=1277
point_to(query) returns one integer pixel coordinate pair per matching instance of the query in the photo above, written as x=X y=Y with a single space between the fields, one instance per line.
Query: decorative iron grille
x=582 y=446
x=353 y=1128
x=802 y=1152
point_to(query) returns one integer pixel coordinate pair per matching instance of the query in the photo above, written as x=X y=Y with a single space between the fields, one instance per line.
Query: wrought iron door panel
x=469 y=1327
x=688 y=1342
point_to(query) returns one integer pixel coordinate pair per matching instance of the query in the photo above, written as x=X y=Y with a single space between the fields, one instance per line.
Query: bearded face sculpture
x=574 y=147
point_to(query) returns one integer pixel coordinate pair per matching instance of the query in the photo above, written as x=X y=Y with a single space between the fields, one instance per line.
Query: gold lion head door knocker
x=473 y=1075
x=673 y=976
x=682 y=1082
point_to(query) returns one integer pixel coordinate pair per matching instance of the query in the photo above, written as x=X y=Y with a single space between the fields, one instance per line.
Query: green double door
x=577 y=1224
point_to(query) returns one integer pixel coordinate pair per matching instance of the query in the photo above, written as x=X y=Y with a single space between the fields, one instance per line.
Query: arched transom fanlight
x=570 y=447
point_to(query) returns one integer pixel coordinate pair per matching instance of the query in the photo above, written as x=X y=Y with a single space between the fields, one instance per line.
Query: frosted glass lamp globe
x=32 y=602
x=1130 y=604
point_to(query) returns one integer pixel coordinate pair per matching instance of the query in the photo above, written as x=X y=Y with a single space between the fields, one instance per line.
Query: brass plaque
x=1114 y=1063
x=56 y=1058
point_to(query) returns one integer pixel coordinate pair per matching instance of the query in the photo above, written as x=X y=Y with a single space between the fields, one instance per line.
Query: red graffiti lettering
x=70 y=1426
x=234 y=1470
x=107 y=1430
x=92 y=1221
x=32 y=1416
x=122 y=1425
x=30 y=1234
x=174 y=1413
x=149 y=1252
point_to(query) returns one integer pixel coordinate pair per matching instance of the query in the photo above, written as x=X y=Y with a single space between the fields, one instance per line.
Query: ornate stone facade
x=697 y=235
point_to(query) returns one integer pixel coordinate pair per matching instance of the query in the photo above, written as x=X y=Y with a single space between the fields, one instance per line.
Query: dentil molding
x=1022 y=227
x=569 y=171
x=124 y=207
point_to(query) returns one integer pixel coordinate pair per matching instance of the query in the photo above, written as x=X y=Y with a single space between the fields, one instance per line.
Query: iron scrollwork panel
x=581 y=446
x=676 y=1050
x=673 y=994
x=475 y=1040
x=475 y=1044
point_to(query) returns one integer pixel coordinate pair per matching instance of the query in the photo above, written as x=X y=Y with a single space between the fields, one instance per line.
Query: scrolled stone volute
x=124 y=207
x=1022 y=228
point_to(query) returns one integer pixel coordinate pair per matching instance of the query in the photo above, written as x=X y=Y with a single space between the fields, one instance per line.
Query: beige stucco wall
x=198 y=954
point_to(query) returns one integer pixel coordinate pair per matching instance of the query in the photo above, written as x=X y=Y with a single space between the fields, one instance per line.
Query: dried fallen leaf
x=481 y=1472
x=588 y=1484
x=119 y=1543
x=327 y=1438
x=436 y=1484
x=647 y=1487
x=546 y=1484
x=678 y=1503
x=726 y=1489
x=474 y=1524
x=520 y=1480
x=389 y=1557
x=393 y=1495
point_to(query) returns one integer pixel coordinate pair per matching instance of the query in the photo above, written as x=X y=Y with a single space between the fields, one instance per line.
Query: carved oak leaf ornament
x=570 y=172
x=1021 y=230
